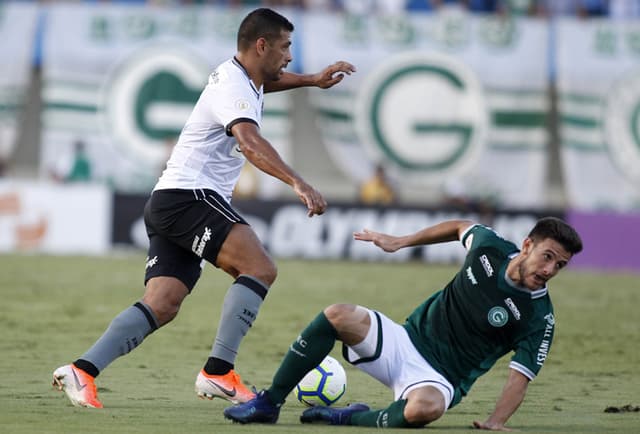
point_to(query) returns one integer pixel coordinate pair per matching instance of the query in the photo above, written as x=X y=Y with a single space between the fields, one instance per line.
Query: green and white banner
x=599 y=102
x=18 y=23
x=447 y=101
x=123 y=79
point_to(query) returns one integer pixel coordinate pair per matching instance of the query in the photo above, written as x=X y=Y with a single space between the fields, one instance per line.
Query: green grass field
x=53 y=308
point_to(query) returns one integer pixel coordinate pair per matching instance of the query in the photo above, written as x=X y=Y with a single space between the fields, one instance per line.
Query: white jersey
x=207 y=155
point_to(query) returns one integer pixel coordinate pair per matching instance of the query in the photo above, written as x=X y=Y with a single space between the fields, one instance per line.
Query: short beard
x=521 y=272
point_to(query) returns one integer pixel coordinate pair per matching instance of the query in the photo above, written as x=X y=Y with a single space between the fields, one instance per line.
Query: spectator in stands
x=519 y=7
x=580 y=8
x=378 y=189
x=624 y=9
x=455 y=196
x=429 y=5
x=322 y=5
x=358 y=7
x=483 y=6
x=81 y=166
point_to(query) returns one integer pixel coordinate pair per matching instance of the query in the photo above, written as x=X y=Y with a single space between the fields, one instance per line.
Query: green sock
x=309 y=349
x=390 y=417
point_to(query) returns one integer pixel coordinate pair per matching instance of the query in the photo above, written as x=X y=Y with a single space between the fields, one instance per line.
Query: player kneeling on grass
x=496 y=303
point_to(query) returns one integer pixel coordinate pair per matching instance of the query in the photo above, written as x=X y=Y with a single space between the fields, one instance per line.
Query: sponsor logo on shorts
x=151 y=262
x=200 y=243
x=498 y=316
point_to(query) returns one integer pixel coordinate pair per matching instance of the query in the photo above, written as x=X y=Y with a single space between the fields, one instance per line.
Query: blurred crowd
x=619 y=9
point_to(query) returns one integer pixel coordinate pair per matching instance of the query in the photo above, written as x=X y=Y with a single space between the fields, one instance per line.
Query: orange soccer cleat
x=228 y=386
x=79 y=386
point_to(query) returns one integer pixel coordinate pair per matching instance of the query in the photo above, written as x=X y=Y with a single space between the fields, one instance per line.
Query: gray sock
x=239 y=311
x=126 y=332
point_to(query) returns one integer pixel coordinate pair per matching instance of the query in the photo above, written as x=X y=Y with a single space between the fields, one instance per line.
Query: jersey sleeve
x=477 y=235
x=232 y=103
x=532 y=351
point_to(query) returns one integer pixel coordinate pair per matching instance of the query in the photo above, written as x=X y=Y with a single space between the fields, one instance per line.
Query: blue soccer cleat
x=332 y=416
x=258 y=410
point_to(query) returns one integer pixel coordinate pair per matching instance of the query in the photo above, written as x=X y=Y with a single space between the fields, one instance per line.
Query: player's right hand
x=388 y=243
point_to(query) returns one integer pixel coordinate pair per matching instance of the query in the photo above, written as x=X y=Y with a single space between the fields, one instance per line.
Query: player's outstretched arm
x=511 y=398
x=442 y=232
x=328 y=77
x=388 y=243
x=263 y=156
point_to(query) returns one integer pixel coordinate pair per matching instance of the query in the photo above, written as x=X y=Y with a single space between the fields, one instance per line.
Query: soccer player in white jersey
x=497 y=303
x=189 y=218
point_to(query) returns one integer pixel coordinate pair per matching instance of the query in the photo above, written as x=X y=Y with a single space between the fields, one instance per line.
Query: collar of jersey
x=239 y=65
x=512 y=285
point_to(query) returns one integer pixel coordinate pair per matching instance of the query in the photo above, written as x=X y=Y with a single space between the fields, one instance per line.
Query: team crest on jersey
x=498 y=316
x=243 y=104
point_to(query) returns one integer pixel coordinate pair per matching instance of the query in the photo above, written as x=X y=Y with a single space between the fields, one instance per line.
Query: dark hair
x=557 y=229
x=261 y=23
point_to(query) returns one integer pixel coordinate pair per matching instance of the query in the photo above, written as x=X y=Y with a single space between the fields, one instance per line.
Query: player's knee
x=339 y=314
x=423 y=411
x=165 y=311
x=164 y=296
x=267 y=272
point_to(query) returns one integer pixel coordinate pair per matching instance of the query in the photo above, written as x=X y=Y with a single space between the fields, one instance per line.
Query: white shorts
x=388 y=355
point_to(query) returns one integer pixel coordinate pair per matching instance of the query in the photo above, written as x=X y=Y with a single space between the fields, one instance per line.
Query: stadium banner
x=42 y=217
x=610 y=239
x=122 y=80
x=287 y=232
x=18 y=23
x=598 y=82
x=448 y=102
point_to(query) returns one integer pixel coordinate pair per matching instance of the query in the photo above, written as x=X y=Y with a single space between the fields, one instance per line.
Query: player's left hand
x=490 y=426
x=333 y=74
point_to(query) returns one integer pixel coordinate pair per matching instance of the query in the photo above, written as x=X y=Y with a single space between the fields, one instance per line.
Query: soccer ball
x=323 y=385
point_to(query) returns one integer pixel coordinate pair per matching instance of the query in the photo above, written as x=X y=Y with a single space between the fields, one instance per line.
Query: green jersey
x=482 y=315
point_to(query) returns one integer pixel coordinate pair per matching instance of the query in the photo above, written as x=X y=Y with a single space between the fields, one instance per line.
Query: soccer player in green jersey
x=497 y=303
